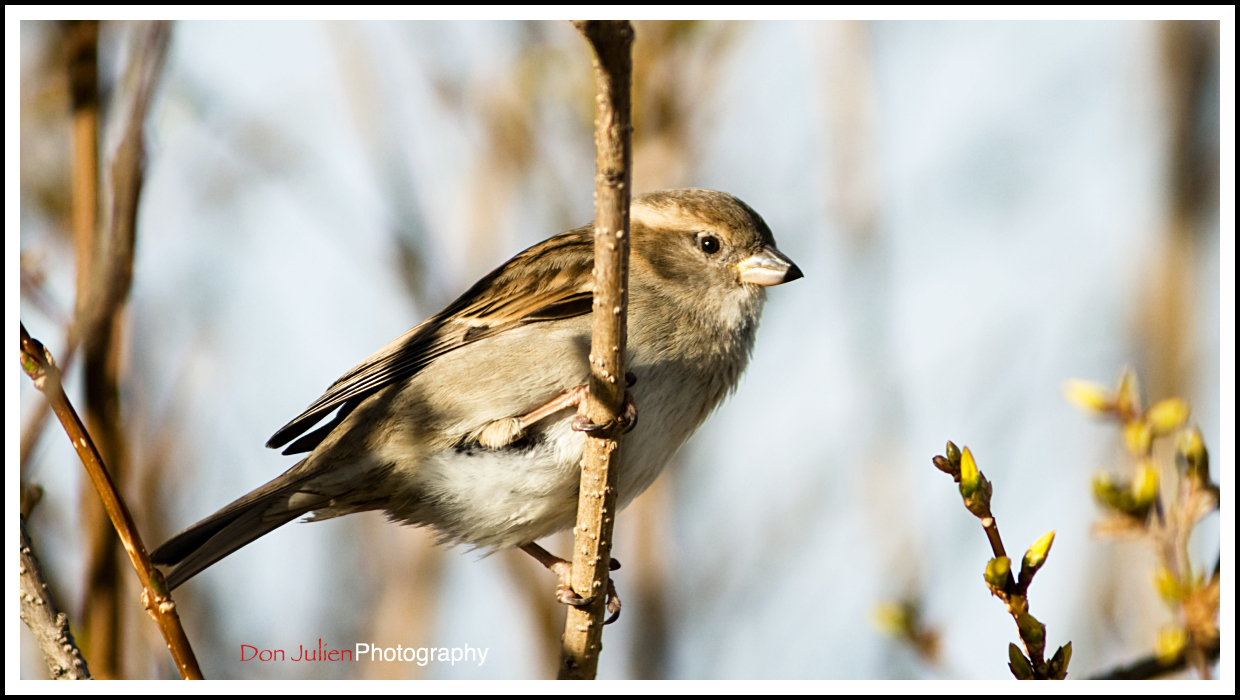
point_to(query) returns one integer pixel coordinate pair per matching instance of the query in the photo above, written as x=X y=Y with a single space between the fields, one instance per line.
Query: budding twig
x=39 y=365
x=1162 y=505
x=1013 y=591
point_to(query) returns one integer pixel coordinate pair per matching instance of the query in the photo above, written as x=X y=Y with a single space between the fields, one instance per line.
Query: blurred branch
x=1014 y=592
x=43 y=617
x=41 y=368
x=1161 y=505
x=612 y=42
x=1167 y=323
x=81 y=46
x=1153 y=666
x=546 y=612
x=99 y=325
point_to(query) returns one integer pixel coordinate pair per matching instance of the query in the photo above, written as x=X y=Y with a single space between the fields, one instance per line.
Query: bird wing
x=549 y=281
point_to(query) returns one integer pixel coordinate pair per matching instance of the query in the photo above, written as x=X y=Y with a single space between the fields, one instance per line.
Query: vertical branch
x=43 y=617
x=99 y=325
x=81 y=40
x=1167 y=323
x=38 y=363
x=596 y=502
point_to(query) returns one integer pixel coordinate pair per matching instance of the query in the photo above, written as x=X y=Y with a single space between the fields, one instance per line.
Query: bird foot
x=627 y=420
x=564 y=592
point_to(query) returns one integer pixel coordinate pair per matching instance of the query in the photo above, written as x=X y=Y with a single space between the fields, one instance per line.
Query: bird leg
x=508 y=430
x=505 y=431
x=564 y=571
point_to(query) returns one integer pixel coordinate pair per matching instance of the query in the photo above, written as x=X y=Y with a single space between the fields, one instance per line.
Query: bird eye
x=708 y=244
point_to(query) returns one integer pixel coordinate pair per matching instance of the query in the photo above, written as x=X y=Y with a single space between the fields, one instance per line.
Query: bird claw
x=564 y=592
x=613 y=603
x=626 y=420
x=567 y=596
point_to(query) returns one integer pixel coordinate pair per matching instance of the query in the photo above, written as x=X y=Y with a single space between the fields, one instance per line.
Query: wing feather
x=549 y=281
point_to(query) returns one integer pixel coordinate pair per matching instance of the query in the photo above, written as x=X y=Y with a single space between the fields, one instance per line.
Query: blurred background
x=982 y=211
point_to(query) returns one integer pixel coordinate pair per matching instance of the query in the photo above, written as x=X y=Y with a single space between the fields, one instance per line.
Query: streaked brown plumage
x=427 y=429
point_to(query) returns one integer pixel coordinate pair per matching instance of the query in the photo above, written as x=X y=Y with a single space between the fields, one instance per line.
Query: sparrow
x=466 y=422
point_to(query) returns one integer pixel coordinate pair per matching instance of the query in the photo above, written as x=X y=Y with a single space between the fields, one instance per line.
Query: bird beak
x=768 y=268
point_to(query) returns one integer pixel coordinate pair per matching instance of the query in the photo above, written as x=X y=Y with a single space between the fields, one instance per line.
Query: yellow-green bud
x=1167 y=415
x=1090 y=397
x=1032 y=631
x=1138 y=436
x=970 y=477
x=952 y=452
x=1168 y=585
x=1128 y=398
x=1108 y=494
x=1021 y=668
x=997 y=571
x=1036 y=555
x=1144 y=485
x=1170 y=643
x=892 y=618
x=1190 y=449
x=1059 y=662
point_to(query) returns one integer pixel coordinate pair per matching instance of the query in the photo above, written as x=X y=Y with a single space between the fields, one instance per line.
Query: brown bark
x=41 y=614
x=105 y=275
x=613 y=65
x=39 y=364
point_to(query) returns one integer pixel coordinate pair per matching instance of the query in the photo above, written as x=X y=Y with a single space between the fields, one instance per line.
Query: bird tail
x=234 y=526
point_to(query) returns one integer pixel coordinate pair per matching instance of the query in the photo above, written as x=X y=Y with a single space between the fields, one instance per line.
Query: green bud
x=1108 y=494
x=970 y=477
x=157 y=583
x=1021 y=668
x=953 y=453
x=1032 y=631
x=1059 y=662
x=1191 y=455
x=1036 y=556
x=997 y=572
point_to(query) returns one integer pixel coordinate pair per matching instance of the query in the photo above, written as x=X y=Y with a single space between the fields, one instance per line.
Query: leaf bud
x=1021 y=668
x=1089 y=397
x=1036 y=555
x=1128 y=398
x=1170 y=643
x=1059 y=662
x=1191 y=455
x=1144 y=486
x=1138 y=436
x=997 y=571
x=1032 y=631
x=970 y=477
x=953 y=453
x=1167 y=415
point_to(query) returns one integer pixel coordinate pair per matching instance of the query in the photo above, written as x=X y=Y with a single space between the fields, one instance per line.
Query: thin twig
x=39 y=364
x=612 y=43
x=1013 y=591
x=43 y=617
